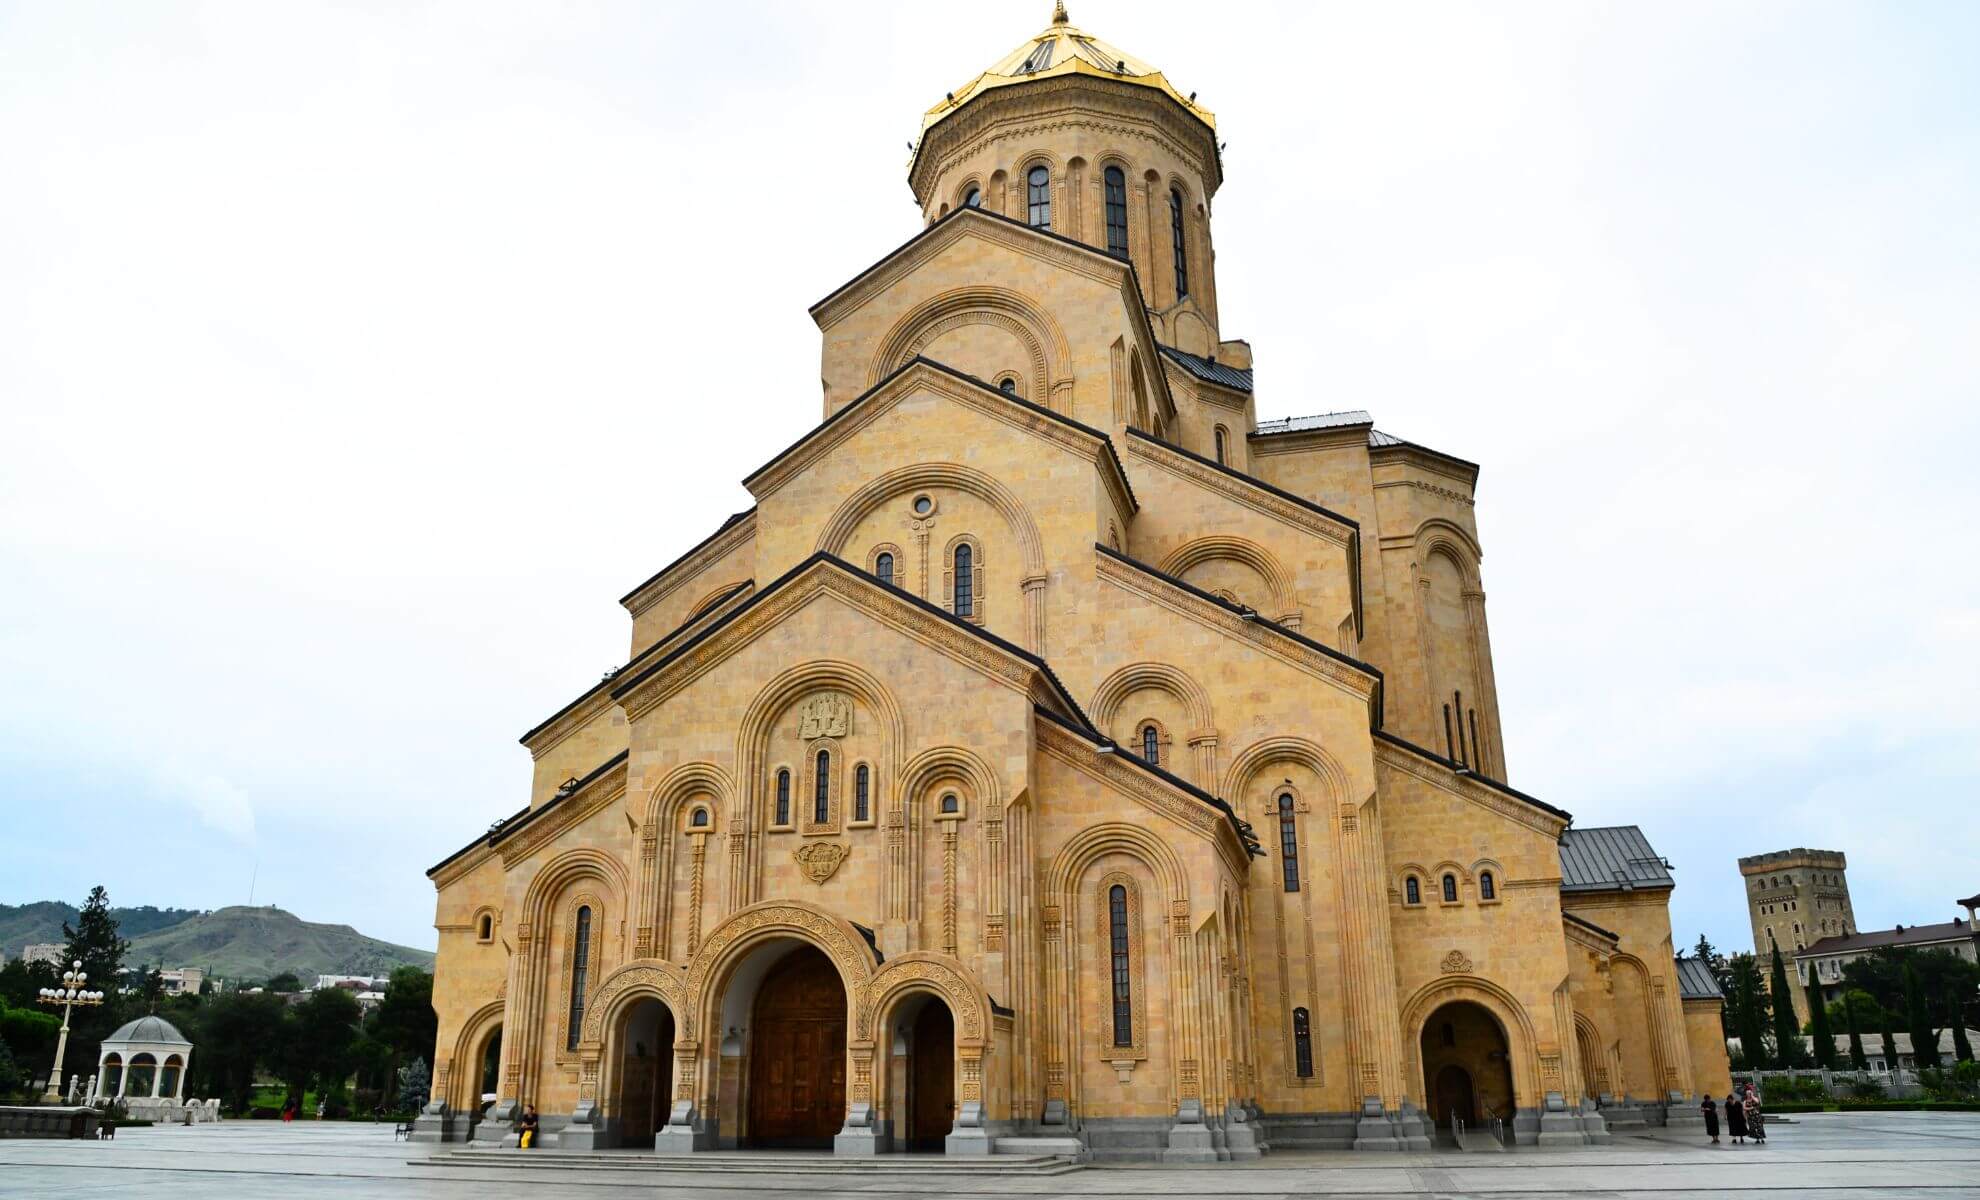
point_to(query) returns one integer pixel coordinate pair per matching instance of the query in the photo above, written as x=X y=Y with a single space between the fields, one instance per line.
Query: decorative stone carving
x=1455 y=963
x=820 y=859
x=827 y=714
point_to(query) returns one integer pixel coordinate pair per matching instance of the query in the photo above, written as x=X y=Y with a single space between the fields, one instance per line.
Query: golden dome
x=1063 y=50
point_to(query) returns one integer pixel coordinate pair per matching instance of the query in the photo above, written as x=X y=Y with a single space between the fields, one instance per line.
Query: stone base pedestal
x=1413 y=1128
x=1376 y=1130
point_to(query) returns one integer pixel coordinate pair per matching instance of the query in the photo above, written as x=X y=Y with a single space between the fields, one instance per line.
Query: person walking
x=1735 y=1118
x=1710 y=1108
x=1756 y=1121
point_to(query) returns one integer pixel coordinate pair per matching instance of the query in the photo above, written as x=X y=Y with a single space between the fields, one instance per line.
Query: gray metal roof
x=1955 y=930
x=1615 y=858
x=151 y=1030
x=1332 y=420
x=1696 y=981
x=1210 y=370
x=1377 y=439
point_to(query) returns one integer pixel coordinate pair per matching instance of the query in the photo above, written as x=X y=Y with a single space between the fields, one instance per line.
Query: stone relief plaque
x=820 y=859
x=828 y=714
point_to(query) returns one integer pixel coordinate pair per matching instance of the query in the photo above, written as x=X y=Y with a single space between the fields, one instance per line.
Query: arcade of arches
x=928 y=808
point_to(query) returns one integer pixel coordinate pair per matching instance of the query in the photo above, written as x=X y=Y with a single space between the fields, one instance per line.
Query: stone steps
x=1040 y=1146
x=760 y=1162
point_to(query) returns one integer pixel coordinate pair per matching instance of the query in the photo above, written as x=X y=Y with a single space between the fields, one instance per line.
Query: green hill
x=22 y=925
x=232 y=943
x=255 y=943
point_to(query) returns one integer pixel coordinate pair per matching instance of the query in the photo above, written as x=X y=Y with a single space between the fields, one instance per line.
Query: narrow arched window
x=1220 y=444
x=965 y=569
x=1302 y=1044
x=1151 y=745
x=580 y=973
x=487 y=927
x=1038 y=186
x=1117 y=937
x=783 y=798
x=883 y=569
x=1412 y=891
x=1288 y=842
x=1117 y=242
x=699 y=820
x=1450 y=889
x=1487 y=888
x=1008 y=385
x=821 y=790
x=973 y=198
x=951 y=803
x=1176 y=242
x=862 y=792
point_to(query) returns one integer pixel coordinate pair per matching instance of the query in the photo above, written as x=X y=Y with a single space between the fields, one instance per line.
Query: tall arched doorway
x=489 y=1074
x=1467 y=1066
x=644 y=1041
x=797 y=1053
x=924 y=1073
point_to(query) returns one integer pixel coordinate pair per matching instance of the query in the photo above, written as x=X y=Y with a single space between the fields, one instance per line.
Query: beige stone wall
x=1643 y=1014
x=1705 y=1035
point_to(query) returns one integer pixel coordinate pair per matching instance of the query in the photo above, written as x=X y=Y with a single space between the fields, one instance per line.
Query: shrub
x=1803 y=1088
x=1866 y=1089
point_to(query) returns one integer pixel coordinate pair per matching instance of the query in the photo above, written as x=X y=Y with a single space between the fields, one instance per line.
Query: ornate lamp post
x=69 y=995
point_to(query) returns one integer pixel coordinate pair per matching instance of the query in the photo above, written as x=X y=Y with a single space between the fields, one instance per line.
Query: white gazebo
x=144 y=1065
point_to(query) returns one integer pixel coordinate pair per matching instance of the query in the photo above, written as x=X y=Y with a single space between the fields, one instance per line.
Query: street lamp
x=70 y=994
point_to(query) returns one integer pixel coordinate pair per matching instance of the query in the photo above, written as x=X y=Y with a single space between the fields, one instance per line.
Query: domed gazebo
x=144 y=1064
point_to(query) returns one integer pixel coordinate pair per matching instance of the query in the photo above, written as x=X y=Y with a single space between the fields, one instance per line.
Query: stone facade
x=1043 y=684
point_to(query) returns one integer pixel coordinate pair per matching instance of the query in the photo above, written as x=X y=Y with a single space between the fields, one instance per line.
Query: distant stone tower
x=1794 y=899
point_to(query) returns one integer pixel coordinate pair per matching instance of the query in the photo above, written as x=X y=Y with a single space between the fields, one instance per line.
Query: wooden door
x=797 y=1056
x=932 y=1077
x=1454 y=1097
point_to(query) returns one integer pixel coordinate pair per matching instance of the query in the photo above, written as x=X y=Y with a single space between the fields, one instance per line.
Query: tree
x=1818 y=1020
x=21 y=981
x=1869 y=1013
x=1881 y=973
x=1890 y=1043
x=1858 y=1061
x=1787 y=1030
x=1924 y=1038
x=10 y=1072
x=238 y=1033
x=94 y=941
x=1746 y=1008
x=414 y=1084
x=1962 y=1048
x=284 y=982
x=150 y=989
x=322 y=1031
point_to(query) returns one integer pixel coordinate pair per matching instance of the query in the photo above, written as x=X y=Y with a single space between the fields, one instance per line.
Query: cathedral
x=1057 y=758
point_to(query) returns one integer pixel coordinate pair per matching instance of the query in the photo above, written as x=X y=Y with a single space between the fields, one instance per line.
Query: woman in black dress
x=1711 y=1110
x=1735 y=1119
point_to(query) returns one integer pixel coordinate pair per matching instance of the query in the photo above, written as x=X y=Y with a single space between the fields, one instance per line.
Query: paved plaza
x=1844 y=1155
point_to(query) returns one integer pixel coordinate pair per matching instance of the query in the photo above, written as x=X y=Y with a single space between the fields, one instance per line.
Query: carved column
x=1494 y=751
x=949 y=887
x=649 y=931
x=1034 y=611
x=1204 y=742
x=700 y=853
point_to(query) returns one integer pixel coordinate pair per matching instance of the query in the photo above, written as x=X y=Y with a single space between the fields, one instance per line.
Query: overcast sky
x=354 y=359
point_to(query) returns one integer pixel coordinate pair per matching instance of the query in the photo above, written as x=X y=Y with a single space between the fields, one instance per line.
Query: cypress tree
x=1858 y=1060
x=1890 y=1044
x=1818 y=1023
x=1924 y=1038
x=1787 y=1031
x=1962 y=1048
x=94 y=942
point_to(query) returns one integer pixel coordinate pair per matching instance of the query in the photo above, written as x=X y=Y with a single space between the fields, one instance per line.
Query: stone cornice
x=1423 y=458
x=1151 y=585
x=1433 y=489
x=825 y=576
x=1210 y=393
x=461 y=864
x=1467 y=787
x=1333 y=437
x=1068 y=747
x=1252 y=494
x=550 y=820
x=690 y=565
x=922 y=375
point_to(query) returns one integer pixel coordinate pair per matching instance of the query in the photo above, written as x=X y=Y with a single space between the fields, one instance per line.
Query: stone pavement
x=1844 y=1156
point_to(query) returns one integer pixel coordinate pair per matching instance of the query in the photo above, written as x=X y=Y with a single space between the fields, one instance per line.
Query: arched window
x=1302 y=1044
x=965 y=568
x=1151 y=745
x=1412 y=891
x=883 y=568
x=1288 y=842
x=1117 y=936
x=580 y=972
x=487 y=928
x=951 y=803
x=1450 y=888
x=862 y=792
x=821 y=790
x=1008 y=385
x=1487 y=889
x=783 y=798
x=1220 y=445
x=699 y=820
x=973 y=198
x=1117 y=243
x=1176 y=242
x=1039 y=193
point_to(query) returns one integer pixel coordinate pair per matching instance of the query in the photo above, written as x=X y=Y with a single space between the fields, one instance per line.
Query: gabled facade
x=1053 y=751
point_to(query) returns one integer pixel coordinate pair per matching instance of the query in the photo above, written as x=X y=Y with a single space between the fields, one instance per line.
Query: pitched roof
x=1611 y=858
x=1696 y=981
x=1209 y=369
x=1915 y=935
x=1332 y=420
